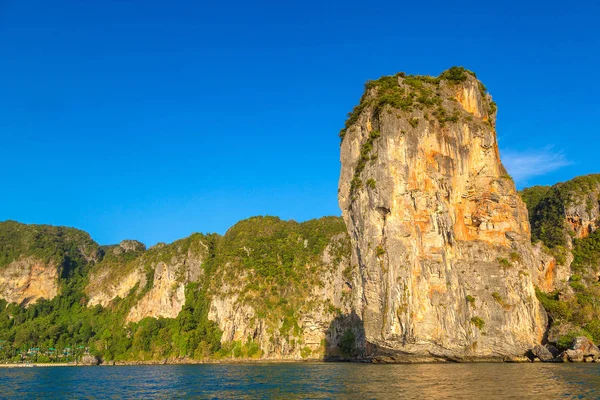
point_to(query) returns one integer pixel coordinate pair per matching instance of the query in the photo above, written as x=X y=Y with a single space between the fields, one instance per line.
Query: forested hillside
x=565 y=218
x=273 y=270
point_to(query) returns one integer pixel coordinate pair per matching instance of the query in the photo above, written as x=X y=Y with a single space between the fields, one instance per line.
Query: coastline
x=185 y=361
x=43 y=365
x=167 y=362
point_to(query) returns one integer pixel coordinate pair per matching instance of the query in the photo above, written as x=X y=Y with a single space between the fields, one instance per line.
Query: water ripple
x=315 y=381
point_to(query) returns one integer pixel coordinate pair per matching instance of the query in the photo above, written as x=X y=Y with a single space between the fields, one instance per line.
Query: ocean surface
x=319 y=380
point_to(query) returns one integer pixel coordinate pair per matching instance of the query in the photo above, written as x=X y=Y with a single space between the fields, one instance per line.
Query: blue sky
x=152 y=120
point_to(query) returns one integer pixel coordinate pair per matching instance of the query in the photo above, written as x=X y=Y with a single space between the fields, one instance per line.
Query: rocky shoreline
x=168 y=362
x=582 y=350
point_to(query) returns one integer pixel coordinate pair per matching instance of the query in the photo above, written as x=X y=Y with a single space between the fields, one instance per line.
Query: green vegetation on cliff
x=272 y=264
x=547 y=207
x=65 y=247
x=575 y=309
x=532 y=196
x=365 y=156
x=409 y=92
x=68 y=326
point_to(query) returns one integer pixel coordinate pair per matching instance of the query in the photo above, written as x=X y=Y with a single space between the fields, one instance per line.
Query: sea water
x=306 y=380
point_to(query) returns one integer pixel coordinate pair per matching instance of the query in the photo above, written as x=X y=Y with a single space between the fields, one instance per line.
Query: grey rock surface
x=542 y=353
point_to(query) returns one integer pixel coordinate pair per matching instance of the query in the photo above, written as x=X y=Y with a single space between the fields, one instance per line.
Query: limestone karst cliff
x=34 y=257
x=157 y=277
x=287 y=286
x=564 y=212
x=438 y=231
x=565 y=220
x=27 y=280
x=264 y=280
x=562 y=218
x=438 y=263
x=267 y=289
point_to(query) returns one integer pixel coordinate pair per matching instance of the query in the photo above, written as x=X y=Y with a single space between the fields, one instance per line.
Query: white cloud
x=522 y=165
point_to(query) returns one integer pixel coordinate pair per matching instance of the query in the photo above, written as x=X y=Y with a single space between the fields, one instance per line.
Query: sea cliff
x=437 y=258
x=439 y=233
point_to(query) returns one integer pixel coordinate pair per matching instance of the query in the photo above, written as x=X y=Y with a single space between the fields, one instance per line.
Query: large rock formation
x=267 y=289
x=27 y=280
x=565 y=219
x=34 y=257
x=278 y=287
x=156 y=278
x=561 y=216
x=438 y=231
x=566 y=211
x=307 y=318
x=116 y=274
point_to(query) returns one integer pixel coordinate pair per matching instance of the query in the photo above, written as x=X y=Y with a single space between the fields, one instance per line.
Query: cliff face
x=27 y=280
x=166 y=294
x=306 y=317
x=267 y=289
x=562 y=216
x=155 y=278
x=114 y=276
x=583 y=217
x=34 y=257
x=275 y=289
x=285 y=286
x=438 y=230
x=566 y=211
x=582 y=206
x=565 y=220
